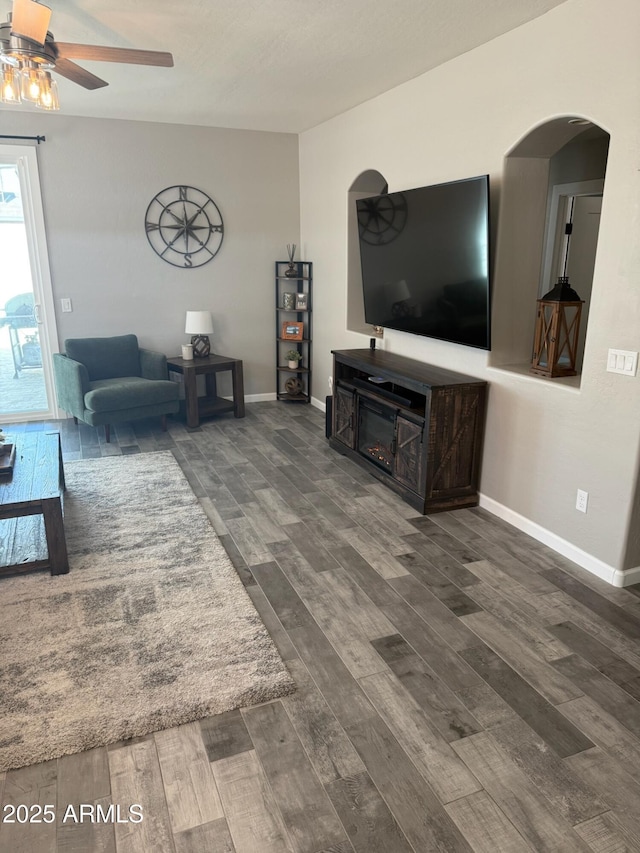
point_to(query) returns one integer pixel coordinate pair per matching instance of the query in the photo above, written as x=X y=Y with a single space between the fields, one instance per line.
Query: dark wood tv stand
x=417 y=428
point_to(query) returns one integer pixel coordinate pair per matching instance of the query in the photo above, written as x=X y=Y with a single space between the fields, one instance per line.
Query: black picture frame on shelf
x=302 y=302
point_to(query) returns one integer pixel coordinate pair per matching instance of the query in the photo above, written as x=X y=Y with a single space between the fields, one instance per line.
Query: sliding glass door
x=27 y=326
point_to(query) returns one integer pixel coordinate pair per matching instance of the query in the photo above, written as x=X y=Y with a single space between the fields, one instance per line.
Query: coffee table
x=35 y=487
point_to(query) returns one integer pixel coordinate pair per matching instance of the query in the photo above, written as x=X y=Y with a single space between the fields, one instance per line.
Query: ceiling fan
x=28 y=51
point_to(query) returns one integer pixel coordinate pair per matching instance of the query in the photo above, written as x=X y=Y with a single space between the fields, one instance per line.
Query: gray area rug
x=151 y=628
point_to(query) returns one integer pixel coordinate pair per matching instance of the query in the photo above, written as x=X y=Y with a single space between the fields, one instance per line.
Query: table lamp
x=199 y=325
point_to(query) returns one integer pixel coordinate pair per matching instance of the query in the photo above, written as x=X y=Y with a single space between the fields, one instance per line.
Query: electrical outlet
x=582 y=500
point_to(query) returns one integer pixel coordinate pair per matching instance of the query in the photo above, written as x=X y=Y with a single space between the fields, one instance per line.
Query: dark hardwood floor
x=460 y=686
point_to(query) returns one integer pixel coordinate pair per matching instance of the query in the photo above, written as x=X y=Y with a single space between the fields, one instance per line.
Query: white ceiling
x=278 y=65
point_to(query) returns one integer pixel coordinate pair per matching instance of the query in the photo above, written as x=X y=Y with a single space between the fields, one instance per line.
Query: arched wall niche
x=557 y=161
x=368 y=183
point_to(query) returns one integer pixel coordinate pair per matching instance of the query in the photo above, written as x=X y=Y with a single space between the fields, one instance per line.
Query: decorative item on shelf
x=302 y=302
x=292 y=331
x=293 y=357
x=199 y=325
x=289 y=301
x=291 y=271
x=293 y=386
x=555 y=342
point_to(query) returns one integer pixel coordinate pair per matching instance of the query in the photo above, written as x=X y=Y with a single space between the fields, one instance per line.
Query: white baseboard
x=627 y=577
x=264 y=398
x=616 y=577
x=319 y=404
x=259 y=398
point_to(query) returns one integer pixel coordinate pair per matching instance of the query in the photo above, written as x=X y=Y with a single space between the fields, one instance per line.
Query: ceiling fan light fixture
x=11 y=85
x=48 y=99
x=9 y=59
x=39 y=88
x=28 y=52
x=32 y=82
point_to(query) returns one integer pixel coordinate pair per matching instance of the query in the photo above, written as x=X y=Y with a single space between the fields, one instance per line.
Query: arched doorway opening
x=367 y=183
x=553 y=177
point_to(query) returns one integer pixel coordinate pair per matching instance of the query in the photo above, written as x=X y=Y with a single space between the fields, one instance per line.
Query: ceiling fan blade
x=30 y=20
x=78 y=75
x=114 y=54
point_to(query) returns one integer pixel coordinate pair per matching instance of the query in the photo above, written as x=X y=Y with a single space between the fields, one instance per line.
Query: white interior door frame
x=26 y=160
x=560 y=195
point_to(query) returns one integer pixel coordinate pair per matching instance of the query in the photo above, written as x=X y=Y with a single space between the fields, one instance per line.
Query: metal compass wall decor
x=382 y=218
x=184 y=226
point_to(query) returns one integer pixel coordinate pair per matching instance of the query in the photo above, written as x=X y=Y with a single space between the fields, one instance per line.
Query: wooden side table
x=210 y=404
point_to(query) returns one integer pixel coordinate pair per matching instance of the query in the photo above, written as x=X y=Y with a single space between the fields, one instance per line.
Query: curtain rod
x=38 y=139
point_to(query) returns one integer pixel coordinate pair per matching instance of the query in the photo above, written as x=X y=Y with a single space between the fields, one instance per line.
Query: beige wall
x=544 y=440
x=98 y=176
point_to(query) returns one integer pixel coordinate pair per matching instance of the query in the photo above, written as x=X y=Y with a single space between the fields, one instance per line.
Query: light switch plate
x=622 y=361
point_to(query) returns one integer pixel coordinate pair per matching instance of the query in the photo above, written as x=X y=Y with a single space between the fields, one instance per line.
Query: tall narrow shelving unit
x=293 y=385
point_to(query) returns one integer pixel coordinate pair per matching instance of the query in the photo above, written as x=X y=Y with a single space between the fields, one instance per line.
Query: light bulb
x=48 y=99
x=10 y=86
x=31 y=84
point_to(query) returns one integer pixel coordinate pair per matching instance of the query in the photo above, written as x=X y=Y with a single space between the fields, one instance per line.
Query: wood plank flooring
x=460 y=687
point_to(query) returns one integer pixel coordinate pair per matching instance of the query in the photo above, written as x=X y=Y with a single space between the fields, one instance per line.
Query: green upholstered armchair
x=107 y=380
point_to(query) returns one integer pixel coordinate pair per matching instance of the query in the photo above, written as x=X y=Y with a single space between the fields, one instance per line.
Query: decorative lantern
x=555 y=343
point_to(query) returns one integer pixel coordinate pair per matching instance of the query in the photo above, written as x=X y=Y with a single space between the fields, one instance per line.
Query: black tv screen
x=425 y=261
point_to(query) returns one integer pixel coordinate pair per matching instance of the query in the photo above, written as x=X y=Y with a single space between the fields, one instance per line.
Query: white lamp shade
x=198 y=323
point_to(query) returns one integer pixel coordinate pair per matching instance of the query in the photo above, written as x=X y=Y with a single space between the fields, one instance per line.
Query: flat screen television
x=425 y=261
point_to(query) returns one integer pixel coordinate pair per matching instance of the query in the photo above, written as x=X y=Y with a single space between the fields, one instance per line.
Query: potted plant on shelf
x=293 y=357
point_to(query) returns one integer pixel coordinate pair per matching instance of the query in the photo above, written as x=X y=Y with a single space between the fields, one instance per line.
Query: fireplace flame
x=380 y=453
